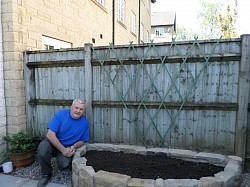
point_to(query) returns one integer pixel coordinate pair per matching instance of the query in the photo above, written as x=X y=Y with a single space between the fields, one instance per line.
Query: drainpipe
x=139 y=26
x=113 y=23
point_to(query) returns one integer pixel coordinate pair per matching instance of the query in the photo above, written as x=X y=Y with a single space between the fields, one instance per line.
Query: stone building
x=52 y=24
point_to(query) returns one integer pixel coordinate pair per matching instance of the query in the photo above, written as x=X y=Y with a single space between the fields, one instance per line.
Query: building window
x=133 y=21
x=51 y=43
x=121 y=11
x=101 y=2
x=168 y=29
x=142 y=32
x=159 y=31
x=48 y=47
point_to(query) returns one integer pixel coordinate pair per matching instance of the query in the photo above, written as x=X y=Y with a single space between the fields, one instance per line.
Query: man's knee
x=44 y=148
x=63 y=166
x=64 y=162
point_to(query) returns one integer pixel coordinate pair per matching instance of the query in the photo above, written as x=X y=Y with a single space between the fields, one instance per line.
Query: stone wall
x=2 y=100
x=84 y=175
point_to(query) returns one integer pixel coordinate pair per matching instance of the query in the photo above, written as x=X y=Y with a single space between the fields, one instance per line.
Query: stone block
x=12 y=129
x=2 y=130
x=78 y=163
x=2 y=113
x=103 y=179
x=159 y=182
x=12 y=56
x=75 y=180
x=227 y=177
x=17 y=66
x=15 y=111
x=212 y=158
x=140 y=150
x=32 y=12
x=31 y=42
x=77 y=155
x=101 y=147
x=182 y=153
x=86 y=176
x=126 y=148
x=9 y=46
x=158 y=151
x=181 y=183
x=21 y=119
x=43 y=16
x=233 y=166
x=210 y=182
x=82 y=150
x=14 y=75
x=15 y=93
x=7 y=17
x=236 y=158
x=79 y=152
x=34 y=35
x=134 y=182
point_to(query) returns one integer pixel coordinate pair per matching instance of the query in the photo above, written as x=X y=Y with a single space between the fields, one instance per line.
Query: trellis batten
x=174 y=59
x=187 y=95
x=50 y=102
x=95 y=62
x=50 y=64
x=167 y=105
x=135 y=105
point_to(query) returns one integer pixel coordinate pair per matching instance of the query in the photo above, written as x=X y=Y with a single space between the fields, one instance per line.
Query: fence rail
x=188 y=95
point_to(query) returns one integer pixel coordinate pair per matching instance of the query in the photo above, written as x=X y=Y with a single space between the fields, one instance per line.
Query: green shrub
x=20 y=142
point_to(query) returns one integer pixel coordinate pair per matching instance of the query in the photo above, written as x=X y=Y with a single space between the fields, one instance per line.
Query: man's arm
x=54 y=140
x=78 y=144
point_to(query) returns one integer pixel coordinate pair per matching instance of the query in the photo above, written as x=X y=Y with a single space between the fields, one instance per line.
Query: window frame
x=133 y=22
x=142 y=32
x=49 y=43
x=121 y=11
x=159 y=31
x=101 y=2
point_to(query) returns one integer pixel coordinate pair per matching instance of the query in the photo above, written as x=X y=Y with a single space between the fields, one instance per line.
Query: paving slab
x=12 y=181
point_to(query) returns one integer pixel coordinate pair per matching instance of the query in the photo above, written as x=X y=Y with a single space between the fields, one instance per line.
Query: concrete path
x=11 y=181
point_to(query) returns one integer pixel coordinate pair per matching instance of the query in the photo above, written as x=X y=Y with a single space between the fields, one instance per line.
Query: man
x=67 y=131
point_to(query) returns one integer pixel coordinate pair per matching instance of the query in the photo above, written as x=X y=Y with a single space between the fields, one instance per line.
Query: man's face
x=76 y=110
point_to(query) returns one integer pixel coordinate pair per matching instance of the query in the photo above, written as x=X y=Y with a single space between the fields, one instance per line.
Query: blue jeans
x=45 y=152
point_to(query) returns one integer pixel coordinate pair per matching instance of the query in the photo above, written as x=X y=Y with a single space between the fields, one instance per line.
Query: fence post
x=88 y=85
x=243 y=93
x=30 y=90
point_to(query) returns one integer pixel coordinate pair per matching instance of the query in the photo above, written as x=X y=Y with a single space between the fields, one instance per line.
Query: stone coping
x=83 y=175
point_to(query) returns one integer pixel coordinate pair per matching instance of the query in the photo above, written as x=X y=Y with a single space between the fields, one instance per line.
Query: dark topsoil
x=149 y=166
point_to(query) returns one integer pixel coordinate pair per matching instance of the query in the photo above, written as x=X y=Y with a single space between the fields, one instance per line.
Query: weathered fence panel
x=188 y=95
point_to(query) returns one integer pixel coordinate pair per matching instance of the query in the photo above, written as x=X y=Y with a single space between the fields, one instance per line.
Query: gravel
x=65 y=176
x=34 y=172
x=245 y=179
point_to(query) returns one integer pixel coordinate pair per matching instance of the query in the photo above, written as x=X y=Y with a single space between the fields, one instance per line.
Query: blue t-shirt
x=69 y=130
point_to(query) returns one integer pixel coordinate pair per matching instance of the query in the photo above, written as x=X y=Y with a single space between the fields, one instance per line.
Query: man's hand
x=69 y=151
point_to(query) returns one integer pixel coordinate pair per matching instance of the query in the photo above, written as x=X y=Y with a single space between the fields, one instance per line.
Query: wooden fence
x=188 y=95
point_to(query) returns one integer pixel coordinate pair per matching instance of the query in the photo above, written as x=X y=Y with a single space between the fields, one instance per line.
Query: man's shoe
x=43 y=181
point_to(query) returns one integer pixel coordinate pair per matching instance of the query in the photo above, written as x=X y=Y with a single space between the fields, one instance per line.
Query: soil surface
x=149 y=166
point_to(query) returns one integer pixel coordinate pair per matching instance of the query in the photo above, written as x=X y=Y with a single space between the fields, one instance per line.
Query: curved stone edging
x=83 y=175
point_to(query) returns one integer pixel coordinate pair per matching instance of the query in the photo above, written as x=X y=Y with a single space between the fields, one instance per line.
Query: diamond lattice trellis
x=151 y=74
